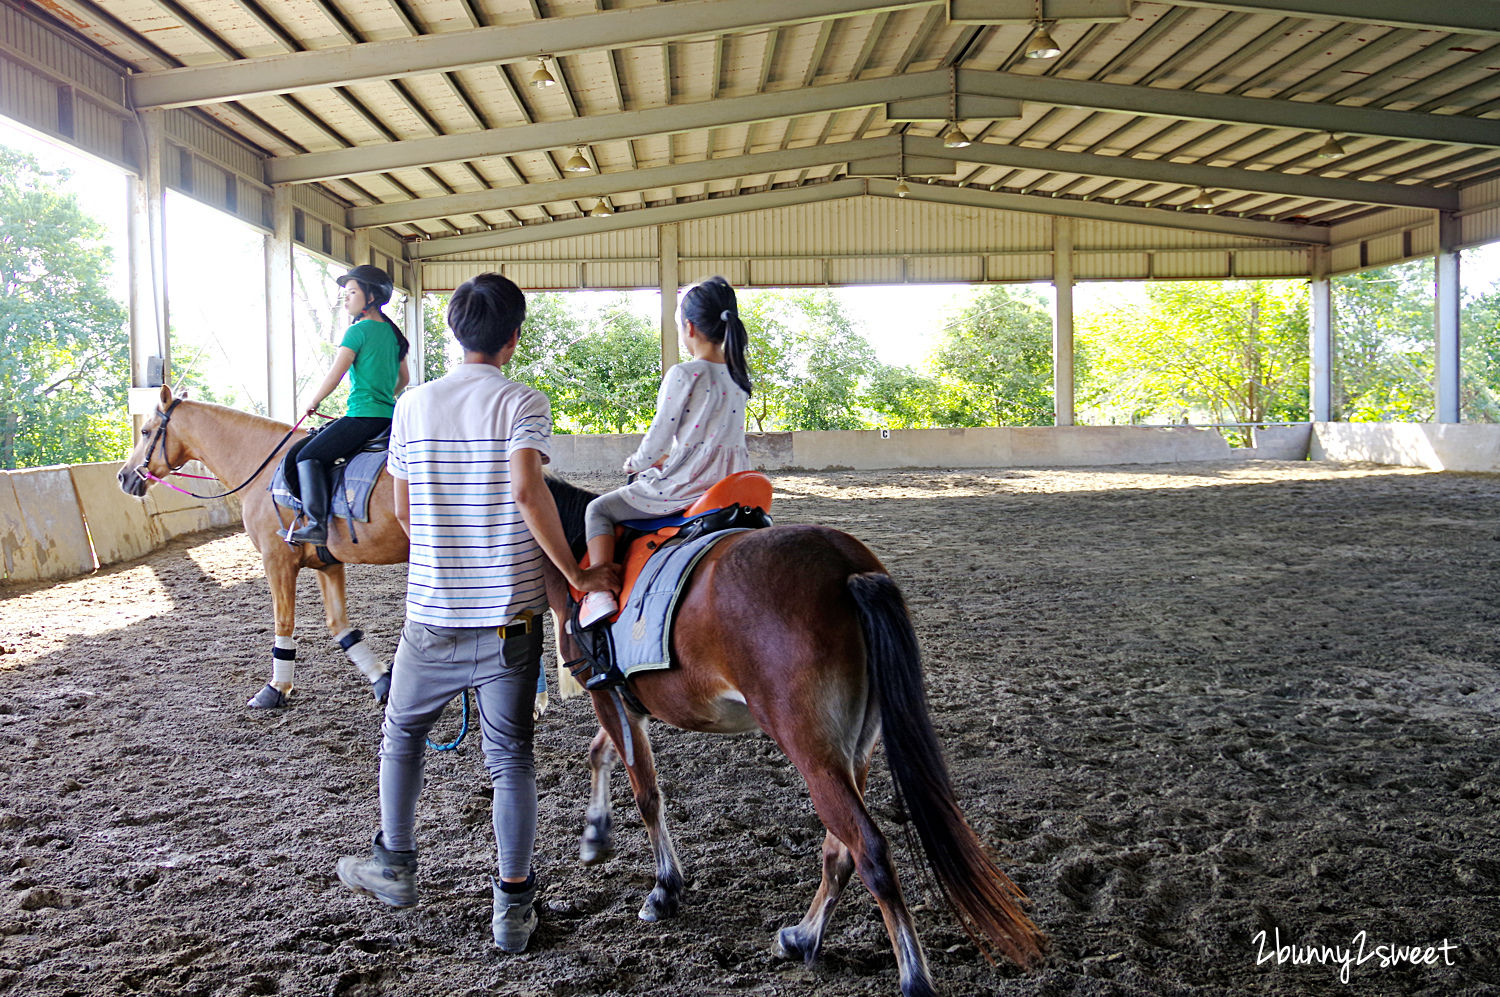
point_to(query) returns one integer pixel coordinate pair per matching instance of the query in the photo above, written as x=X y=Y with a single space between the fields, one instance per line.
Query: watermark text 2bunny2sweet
x=1361 y=952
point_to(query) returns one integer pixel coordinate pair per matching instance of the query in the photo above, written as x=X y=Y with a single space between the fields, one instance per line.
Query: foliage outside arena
x=1206 y=351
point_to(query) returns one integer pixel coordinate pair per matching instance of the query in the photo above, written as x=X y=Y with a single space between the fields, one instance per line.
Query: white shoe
x=596 y=606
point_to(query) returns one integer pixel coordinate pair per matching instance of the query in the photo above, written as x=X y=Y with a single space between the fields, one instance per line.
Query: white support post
x=1320 y=341
x=281 y=367
x=1446 y=361
x=359 y=248
x=416 y=331
x=1062 y=329
x=149 y=328
x=669 y=279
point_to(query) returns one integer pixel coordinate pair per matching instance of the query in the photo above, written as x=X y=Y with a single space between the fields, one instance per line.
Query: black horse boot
x=313 y=480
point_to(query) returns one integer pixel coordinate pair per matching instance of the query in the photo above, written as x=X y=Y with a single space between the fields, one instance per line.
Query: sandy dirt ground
x=1195 y=710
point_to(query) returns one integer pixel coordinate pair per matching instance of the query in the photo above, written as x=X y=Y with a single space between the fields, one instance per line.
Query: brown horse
x=231 y=444
x=799 y=630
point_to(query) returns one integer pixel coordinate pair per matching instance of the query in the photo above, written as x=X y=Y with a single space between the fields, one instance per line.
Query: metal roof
x=417 y=117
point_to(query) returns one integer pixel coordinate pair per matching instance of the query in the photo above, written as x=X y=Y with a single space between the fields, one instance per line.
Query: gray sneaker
x=514 y=919
x=390 y=877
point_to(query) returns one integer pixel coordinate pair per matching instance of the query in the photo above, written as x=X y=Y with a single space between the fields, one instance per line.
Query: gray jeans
x=601 y=515
x=432 y=665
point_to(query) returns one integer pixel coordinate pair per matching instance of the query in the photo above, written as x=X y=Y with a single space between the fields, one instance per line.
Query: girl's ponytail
x=712 y=308
x=735 y=340
x=402 y=346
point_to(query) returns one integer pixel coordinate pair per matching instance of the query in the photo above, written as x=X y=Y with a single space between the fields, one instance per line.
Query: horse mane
x=243 y=418
x=571 y=501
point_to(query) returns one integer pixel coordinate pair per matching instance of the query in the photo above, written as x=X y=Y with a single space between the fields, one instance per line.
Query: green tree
x=610 y=376
x=1383 y=346
x=1479 y=324
x=901 y=398
x=809 y=367
x=996 y=362
x=1235 y=351
x=439 y=344
x=65 y=367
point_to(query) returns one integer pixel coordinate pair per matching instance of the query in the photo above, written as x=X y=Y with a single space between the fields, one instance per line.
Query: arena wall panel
x=51 y=524
x=1438 y=446
x=118 y=524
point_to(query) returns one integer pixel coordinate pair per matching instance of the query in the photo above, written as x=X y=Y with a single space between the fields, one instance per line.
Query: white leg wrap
x=363 y=657
x=283 y=668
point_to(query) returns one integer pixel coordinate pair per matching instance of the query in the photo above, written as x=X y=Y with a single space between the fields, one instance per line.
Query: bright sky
x=903 y=322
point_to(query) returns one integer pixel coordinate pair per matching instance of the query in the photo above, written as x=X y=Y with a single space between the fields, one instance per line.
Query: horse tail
x=988 y=904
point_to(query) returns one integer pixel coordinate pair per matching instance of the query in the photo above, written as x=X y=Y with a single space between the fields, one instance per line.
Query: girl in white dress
x=697 y=437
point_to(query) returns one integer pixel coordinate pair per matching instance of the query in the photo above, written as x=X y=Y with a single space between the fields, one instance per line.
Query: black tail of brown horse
x=987 y=902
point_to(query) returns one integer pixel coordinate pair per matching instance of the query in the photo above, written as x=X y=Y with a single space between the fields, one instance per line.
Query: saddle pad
x=359 y=481
x=642 y=633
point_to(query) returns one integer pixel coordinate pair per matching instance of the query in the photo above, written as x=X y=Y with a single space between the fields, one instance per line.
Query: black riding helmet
x=375 y=281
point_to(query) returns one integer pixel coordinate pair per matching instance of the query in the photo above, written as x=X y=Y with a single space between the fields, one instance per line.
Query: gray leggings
x=608 y=509
x=434 y=664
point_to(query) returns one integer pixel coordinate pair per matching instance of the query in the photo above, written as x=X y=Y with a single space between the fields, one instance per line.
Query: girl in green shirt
x=373 y=354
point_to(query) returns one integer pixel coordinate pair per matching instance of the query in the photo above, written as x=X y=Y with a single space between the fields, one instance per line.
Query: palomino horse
x=799 y=630
x=231 y=444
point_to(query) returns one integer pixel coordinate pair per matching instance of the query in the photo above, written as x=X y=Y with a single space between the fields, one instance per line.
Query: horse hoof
x=269 y=698
x=788 y=945
x=657 y=908
x=594 y=852
x=381 y=689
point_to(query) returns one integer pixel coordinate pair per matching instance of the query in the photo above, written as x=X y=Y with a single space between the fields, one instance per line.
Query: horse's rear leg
x=598 y=838
x=335 y=610
x=842 y=810
x=806 y=939
x=666 y=895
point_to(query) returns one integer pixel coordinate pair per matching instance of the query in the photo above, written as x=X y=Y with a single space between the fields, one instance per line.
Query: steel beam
x=438 y=53
x=610 y=184
x=669 y=120
x=1024 y=11
x=1189 y=174
x=1471 y=17
x=1448 y=129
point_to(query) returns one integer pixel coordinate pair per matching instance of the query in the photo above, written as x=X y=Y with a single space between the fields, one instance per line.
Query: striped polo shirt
x=473 y=561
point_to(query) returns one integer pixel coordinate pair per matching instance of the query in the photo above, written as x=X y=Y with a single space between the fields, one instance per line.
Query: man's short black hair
x=486 y=312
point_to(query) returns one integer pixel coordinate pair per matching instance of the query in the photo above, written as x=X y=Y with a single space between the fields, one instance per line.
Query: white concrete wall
x=57 y=522
x=1041 y=446
x=1439 y=446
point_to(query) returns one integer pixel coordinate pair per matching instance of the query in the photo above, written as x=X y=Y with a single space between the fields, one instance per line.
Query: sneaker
x=514 y=919
x=597 y=606
x=390 y=877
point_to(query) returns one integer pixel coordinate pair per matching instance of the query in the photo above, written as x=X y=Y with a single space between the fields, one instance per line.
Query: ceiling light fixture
x=576 y=163
x=601 y=209
x=541 y=79
x=901 y=189
x=1041 y=45
x=954 y=137
x=1331 y=149
x=1203 y=200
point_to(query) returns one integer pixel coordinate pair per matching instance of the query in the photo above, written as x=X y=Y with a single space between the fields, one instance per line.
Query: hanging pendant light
x=1331 y=149
x=576 y=163
x=1041 y=45
x=601 y=209
x=541 y=78
x=954 y=138
x=901 y=189
x=1203 y=200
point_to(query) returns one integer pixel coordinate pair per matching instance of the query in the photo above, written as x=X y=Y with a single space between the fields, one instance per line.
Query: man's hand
x=602 y=578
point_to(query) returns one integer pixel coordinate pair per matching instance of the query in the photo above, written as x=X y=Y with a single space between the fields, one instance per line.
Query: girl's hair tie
x=724 y=315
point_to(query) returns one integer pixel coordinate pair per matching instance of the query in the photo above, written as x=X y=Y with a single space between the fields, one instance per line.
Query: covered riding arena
x=1229 y=717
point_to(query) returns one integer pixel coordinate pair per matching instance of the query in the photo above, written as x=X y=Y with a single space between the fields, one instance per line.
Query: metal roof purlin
x=396 y=58
x=1468 y=17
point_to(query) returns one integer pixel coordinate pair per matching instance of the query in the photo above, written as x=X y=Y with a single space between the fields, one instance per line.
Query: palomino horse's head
x=157 y=452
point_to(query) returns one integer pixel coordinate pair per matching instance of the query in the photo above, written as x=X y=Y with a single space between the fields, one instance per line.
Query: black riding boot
x=313 y=480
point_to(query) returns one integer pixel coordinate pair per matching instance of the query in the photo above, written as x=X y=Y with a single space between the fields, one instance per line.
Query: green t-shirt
x=372 y=377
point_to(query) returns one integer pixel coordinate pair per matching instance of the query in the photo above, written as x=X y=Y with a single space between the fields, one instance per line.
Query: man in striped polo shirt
x=466 y=454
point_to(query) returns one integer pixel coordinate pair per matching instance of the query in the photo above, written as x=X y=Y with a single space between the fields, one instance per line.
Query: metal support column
x=150 y=339
x=281 y=313
x=1447 y=360
x=668 y=275
x=1062 y=329
x=359 y=248
x=1320 y=341
x=416 y=331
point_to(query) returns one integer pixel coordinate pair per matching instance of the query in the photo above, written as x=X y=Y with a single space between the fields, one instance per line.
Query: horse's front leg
x=666 y=895
x=281 y=576
x=335 y=610
x=598 y=831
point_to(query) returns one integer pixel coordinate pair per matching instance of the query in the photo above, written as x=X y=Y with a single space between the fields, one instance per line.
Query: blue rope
x=463 y=730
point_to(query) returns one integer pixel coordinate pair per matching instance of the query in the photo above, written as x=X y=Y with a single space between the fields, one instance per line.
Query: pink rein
x=145 y=472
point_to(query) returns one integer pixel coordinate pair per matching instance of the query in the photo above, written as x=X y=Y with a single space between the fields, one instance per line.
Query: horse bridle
x=159 y=438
